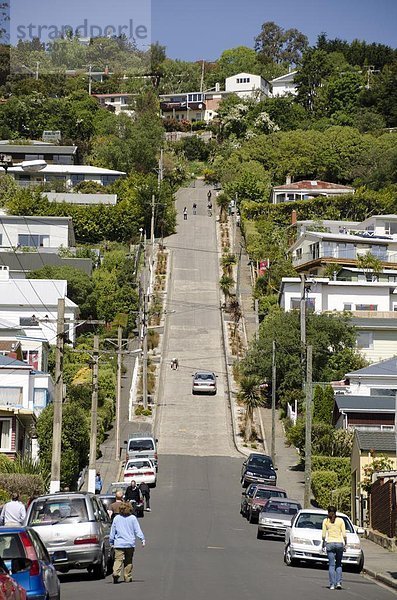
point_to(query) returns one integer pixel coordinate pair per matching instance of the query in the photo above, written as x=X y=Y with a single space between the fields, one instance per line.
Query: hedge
x=340 y=466
x=324 y=483
x=342 y=499
x=25 y=485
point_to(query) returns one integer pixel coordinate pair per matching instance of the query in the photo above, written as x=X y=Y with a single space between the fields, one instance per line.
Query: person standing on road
x=334 y=541
x=145 y=490
x=185 y=214
x=133 y=493
x=194 y=208
x=114 y=508
x=13 y=513
x=125 y=529
x=98 y=483
x=209 y=196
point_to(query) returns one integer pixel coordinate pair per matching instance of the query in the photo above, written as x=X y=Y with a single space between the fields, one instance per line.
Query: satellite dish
x=200 y=106
x=33 y=165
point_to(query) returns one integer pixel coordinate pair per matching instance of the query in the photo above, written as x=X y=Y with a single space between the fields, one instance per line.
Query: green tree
x=274 y=44
x=75 y=441
x=315 y=68
x=249 y=395
x=323 y=404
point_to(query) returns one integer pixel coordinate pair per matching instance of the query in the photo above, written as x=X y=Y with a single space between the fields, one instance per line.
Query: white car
x=303 y=540
x=142 y=470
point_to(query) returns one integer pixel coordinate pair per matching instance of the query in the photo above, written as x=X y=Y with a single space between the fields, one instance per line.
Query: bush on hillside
x=324 y=484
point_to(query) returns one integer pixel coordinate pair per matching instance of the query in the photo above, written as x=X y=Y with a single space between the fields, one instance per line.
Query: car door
x=103 y=524
x=50 y=576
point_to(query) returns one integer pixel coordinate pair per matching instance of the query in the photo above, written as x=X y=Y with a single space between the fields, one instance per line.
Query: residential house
x=366 y=413
x=306 y=190
x=32 y=304
x=69 y=175
x=53 y=154
x=20 y=262
x=118 y=103
x=24 y=393
x=247 y=85
x=378 y=379
x=83 y=199
x=284 y=85
x=46 y=234
x=184 y=107
x=366 y=444
x=34 y=350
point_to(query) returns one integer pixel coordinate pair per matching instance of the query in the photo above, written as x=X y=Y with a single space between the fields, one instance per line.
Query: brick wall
x=383 y=511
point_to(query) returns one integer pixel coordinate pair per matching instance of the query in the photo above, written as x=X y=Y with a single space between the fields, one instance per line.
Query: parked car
x=142 y=445
x=245 y=494
x=75 y=528
x=258 y=468
x=118 y=485
x=303 y=540
x=259 y=499
x=142 y=470
x=276 y=516
x=9 y=588
x=26 y=557
x=204 y=382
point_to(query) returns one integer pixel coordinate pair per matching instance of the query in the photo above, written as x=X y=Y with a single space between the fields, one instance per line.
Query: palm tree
x=225 y=284
x=228 y=260
x=250 y=396
x=223 y=201
x=370 y=263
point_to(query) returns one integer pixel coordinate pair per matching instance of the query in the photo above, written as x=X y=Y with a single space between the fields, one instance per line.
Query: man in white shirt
x=13 y=513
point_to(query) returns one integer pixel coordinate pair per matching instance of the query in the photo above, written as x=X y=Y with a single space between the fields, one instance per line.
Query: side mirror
x=275 y=468
x=18 y=565
x=156 y=441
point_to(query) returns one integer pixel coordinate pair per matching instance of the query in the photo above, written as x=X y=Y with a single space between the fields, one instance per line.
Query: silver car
x=75 y=529
x=276 y=515
x=204 y=382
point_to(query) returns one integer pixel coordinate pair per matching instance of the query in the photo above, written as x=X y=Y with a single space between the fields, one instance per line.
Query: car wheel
x=259 y=535
x=251 y=518
x=99 y=571
x=358 y=568
x=288 y=559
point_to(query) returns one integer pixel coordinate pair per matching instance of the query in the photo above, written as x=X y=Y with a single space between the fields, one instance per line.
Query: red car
x=9 y=589
x=259 y=499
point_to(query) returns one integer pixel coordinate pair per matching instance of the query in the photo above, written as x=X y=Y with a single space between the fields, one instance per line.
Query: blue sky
x=202 y=29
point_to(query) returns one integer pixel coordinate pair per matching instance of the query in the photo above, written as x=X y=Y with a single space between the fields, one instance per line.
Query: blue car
x=27 y=559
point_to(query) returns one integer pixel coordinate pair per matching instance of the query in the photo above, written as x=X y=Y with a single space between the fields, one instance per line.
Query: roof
x=35 y=219
x=384 y=368
x=349 y=403
x=37 y=149
x=380 y=441
x=4 y=324
x=284 y=78
x=117 y=95
x=72 y=169
x=343 y=237
x=73 y=198
x=314 y=185
x=7 y=361
x=41 y=293
x=373 y=323
x=9 y=345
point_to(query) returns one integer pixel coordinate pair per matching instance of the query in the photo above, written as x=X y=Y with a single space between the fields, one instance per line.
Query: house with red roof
x=307 y=189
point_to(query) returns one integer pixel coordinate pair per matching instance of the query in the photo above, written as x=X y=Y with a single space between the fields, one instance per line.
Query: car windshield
x=139 y=464
x=282 y=508
x=315 y=521
x=57 y=510
x=260 y=461
x=204 y=376
x=11 y=546
x=113 y=487
x=140 y=445
x=268 y=493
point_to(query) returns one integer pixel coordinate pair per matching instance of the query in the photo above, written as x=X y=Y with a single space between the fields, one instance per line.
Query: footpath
x=379 y=563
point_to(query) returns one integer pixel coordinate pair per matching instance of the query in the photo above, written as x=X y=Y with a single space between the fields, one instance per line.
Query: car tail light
x=155 y=455
x=86 y=539
x=148 y=473
x=30 y=553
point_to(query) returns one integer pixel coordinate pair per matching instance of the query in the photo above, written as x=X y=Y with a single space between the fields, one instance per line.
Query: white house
x=306 y=190
x=372 y=305
x=84 y=199
x=118 y=103
x=34 y=350
x=378 y=379
x=32 y=304
x=70 y=175
x=283 y=85
x=38 y=232
x=39 y=150
x=24 y=393
x=247 y=85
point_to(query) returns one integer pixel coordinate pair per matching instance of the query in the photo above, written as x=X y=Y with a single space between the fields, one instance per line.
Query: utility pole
x=160 y=170
x=118 y=390
x=303 y=318
x=94 y=412
x=202 y=76
x=152 y=233
x=55 y=484
x=308 y=439
x=89 y=79
x=37 y=70
x=144 y=333
x=273 y=452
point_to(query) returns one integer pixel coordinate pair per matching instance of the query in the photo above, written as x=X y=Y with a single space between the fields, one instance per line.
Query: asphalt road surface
x=198 y=545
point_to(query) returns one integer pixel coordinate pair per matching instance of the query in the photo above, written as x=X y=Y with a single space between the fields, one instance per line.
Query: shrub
x=4 y=497
x=340 y=466
x=5 y=464
x=25 y=485
x=342 y=499
x=324 y=483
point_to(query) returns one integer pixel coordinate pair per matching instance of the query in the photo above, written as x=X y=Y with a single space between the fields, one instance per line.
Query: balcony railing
x=374 y=314
x=336 y=255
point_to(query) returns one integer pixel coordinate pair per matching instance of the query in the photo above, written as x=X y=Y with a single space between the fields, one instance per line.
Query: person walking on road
x=209 y=196
x=114 y=508
x=145 y=490
x=133 y=493
x=125 y=529
x=334 y=541
x=194 y=208
x=98 y=483
x=13 y=513
x=185 y=214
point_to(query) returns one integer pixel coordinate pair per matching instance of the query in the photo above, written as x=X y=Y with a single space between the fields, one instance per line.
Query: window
x=77 y=177
x=243 y=80
x=365 y=339
x=347 y=306
x=40 y=396
x=299 y=253
x=33 y=240
x=314 y=250
x=29 y=321
x=34 y=156
x=5 y=434
x=310 y=304
x=383 y=392
x=108 y=179
x=1 y=239
x=369 y=307
x=11 y=395
x=390 y=228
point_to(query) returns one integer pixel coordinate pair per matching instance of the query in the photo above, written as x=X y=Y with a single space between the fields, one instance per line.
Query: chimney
x=288 y=179
x=293 y=217
x=217 y=87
